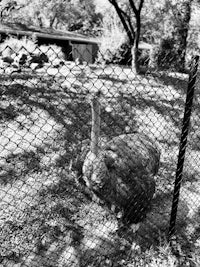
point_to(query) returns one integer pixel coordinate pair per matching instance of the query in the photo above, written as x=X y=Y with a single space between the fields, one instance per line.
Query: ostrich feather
x=120 y=172
x=122 y=175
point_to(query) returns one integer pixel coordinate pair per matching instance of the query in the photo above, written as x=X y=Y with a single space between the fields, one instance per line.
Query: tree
x=86 y=19
x=46 y=13
x=167 y=23
x=133 y=33
x=182 y=15
x=112 y=34
x=73 y=15
x=7 y=7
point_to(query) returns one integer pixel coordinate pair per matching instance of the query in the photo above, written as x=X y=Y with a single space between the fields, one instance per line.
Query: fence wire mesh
x=66 y=202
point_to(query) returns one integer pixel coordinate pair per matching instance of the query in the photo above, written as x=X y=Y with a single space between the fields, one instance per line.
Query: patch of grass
x=44 y=216
x=40 y=214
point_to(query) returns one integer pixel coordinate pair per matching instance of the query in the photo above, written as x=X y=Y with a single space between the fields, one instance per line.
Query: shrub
x=112 y=40
x=13 y=45
x=163 y=54
x=111 y=49
x=53 y=52
x=166 y=55
x=123 y=55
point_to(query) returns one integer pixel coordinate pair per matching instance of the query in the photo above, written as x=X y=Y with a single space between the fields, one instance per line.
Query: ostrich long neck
x=95 y=125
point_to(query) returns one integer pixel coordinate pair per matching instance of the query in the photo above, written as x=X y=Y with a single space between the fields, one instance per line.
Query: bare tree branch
x=132 y=4
x=7 y=9
x=133 y=34
x=128 y=18
x=140 y=5
x=120 y=13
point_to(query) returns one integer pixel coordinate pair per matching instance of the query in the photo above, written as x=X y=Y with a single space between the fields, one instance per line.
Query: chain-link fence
x=88 y=160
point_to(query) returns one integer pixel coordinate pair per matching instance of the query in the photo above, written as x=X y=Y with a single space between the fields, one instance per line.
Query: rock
x=56 y=63
x=62 y=63
x=15 y=65
x=1 y=63
x=44 y=58
x=40 y=59
x=35 y=66
x=8 y=59
x=52 y=71
x=23 y=59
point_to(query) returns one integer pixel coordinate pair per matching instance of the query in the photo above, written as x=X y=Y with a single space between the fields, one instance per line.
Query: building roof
x=19 y=29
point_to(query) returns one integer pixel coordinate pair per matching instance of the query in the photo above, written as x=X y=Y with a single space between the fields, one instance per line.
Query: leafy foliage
x=166 y=20
x=12 y=46
x=168 y=23
x=73 y=15
x=112 y=39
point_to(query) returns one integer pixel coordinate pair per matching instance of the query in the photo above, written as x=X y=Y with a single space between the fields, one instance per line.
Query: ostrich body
x=121 y=172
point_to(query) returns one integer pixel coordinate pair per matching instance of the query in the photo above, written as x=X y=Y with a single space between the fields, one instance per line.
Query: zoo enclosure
x=44 y=119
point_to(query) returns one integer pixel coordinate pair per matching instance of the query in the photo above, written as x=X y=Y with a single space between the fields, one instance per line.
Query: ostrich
x=120 y=172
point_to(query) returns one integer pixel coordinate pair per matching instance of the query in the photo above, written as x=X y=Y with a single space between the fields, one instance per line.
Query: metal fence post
x=183 y=143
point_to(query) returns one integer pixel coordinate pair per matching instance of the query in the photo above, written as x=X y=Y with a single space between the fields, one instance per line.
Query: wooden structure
x=74 y=45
